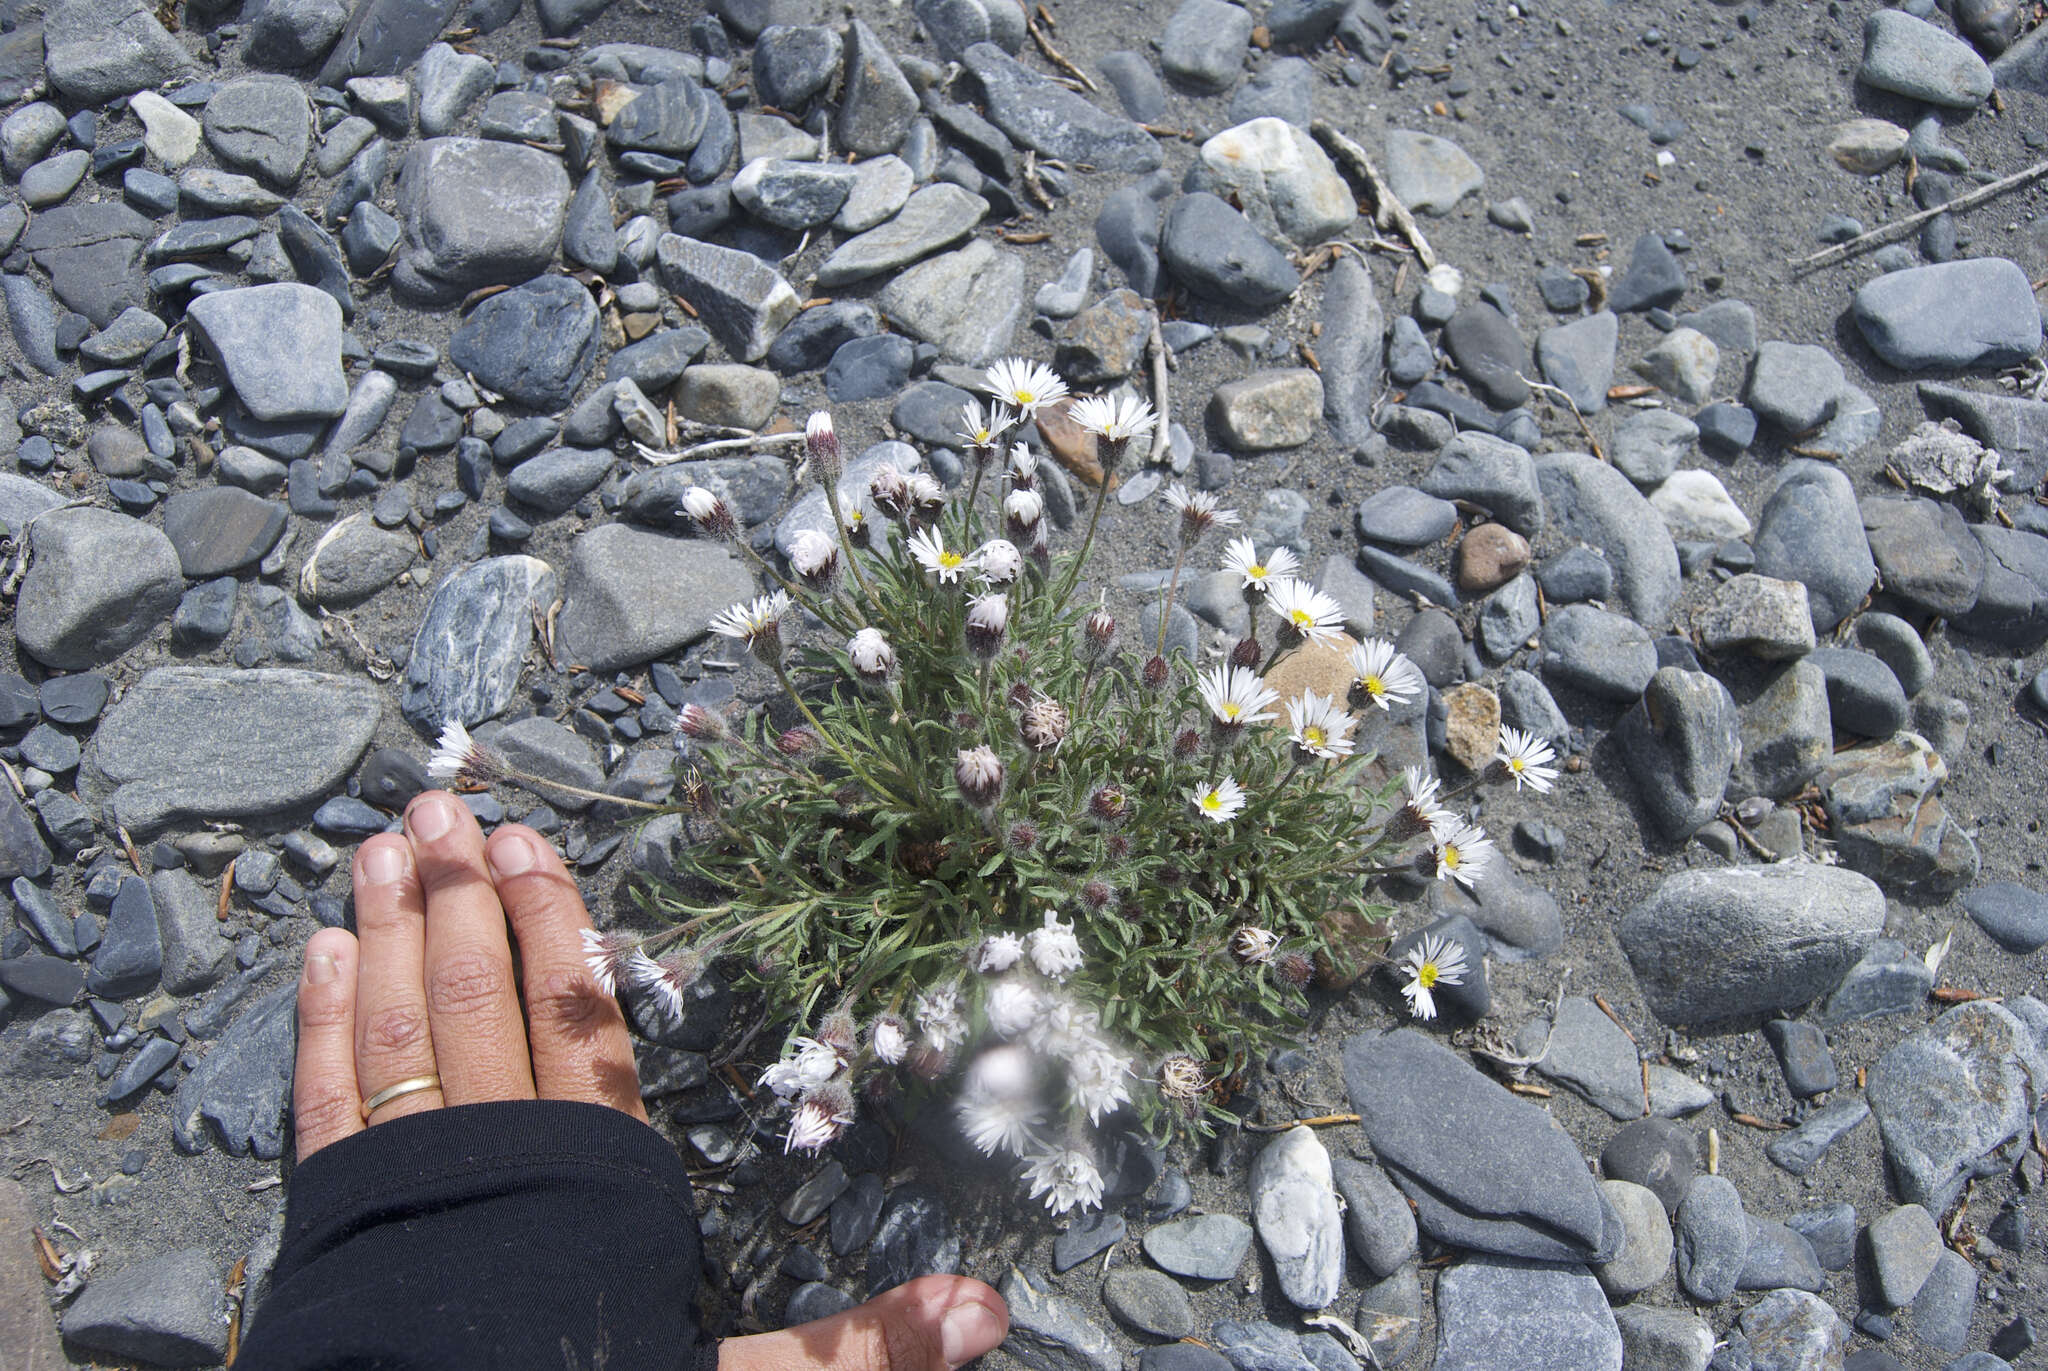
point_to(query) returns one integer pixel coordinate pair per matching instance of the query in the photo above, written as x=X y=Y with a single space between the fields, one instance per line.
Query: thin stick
x=1386 y=205
x=1161 y=441
x=1899 y=228
x=657 y=458
x=1053 y=55
x=1585 y=429
x=1300 y=1123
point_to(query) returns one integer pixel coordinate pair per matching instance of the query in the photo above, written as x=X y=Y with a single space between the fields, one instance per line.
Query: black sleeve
x=521 y=1234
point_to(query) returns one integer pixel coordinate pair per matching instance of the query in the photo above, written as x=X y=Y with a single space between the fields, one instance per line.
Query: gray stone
x=1812 y=531
x=471 y=644
x=50 y=180
x=2011 y=915
x=262 y=125
x=477 y=212
x=792 y=195
x=1268 y=409
x=1049 y=1332
x=193 y=947
x=533 y=343
x=1713 y=945
x=1787 y=734
x=553 y=482
x=1911 y=57
x=221 y=529
x=1663 y=1339
x=1390 y=1316
x=1949 y=1094
x=1209 y=1247
x=1831 y=1231
x=541 y=747
x=100 y=583
x=933 y=217
x=632 y=595
x=449 y=83
x=354 y=560
x=1260 y=1346
x=1604 y=654
x=1484 y=1171
x=1204 y=44
x=742 y=299
x=1681 y=740
x=1404 y=517
x=881 y=188
x=93 y=255
x=1428 y=174
x=1863 y=694
x=384 y=37
x=1596 y=504
x=276 y=380
x=1656 y=1154
x=1756 y=614
x=96 y=50
x=1038 y=113
x=966 y=303
x=237 y=1096
x=195 y=743
x=1926 y=553
x=1941 y=1311
x=1489 y=354
x=1509 y=618
x=1282 y=178
x=1294 y=1204
x=1149 y=1302
x=1792 y=1330
x=1377 y=1219
x=1589 y=1052
x=1578 y=358
x=1654 y=279
x=2012 y=604
x=1354 y=326
x=1646 y=1251
x=1492 y=473
x=1793 y=385
x=166 y=1310
x=1977 y=312
x=1494 y=1313
x=877 y=105
x=1216 y=252
x=1778 y=1259
x=2017 y=427
x=1904 y=1245
x=1712 y=1239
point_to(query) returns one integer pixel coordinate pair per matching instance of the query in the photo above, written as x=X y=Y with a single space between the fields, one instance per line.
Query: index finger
x=578 y=1035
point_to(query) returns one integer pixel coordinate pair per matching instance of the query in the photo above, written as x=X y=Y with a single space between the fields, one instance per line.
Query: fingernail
x=321 y=967
x=967 y=1331
x=383 y=864
x=429 y=818
x=513 y=853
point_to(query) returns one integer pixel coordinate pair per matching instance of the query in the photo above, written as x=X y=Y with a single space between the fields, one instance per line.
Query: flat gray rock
x=96 y=50
x=1712 y=1239
x=280 y=347
x=1592 y=502
x=1038 y=113
x=1578 y=358
x=632 y=595
x=238 y=1094
x=534 y=343
x=1499 y=1314
x=1720 y=944
x=1049 y=1332
x=1681 y=741
x=354 y=560
x=1605 y=654
x=476 y=213
x=966 y=303
x=1377 y=1219
x=1351 y=346
x=1492 y=473
x=472 y=641
x=1428 y=174
x=1792 y=1330
x=1951 y=1093
x=1976 y=312
x=220 y=529
x=167 y=1311
x=1913 y=58
x=1590 y=1053
x=194 y=743
x=1485 y=1170
x=934 y=217
x=100 y=582
x=262 y=125
x=1209 y=1247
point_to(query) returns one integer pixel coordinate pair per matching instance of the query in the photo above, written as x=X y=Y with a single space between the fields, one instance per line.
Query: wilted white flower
x=1024 y=386
x=1382 y=675
x=1023 y=466
x=815 y=557
x=1434 y=961
x=999 y=560
x=1043 y=724
x=988 y=617
x=1114 y=418
x=1055 y=951
x=1526 y=757
x=1419 y=811
x=1182 y=1079
x=1066 y=1176
x=822 y=1117
x=1235 y=695
x=1013 y=1008
x=605 y=954
x=979 y=774
x=1319 y=728
x=1218 y=803
x=997 y=953
x=1305 y=612
x=806 y=1064
x=939 y=1017
x=1198 y=513
x=668 y=978
x=710 y=513
x=1242 y=557
x=459 y=757
x=999 y=1106
x=1462 y=850
x=935 y=557
x=888 y=490
x=757 y=623
x=1254 y=946
x=1099 y=1080
x=889 y=1036
x=871 y=655
x=924 y=493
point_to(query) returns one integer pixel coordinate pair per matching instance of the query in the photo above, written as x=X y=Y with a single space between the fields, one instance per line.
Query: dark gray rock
x=1779 y=1258
x=1204 y=44
x=2012 y=604
x=632 y=595
x=1940 y=1313
x=1658 y=1155
x=471 y=644
x=130 y=956
x=1604 y=654
x=1484 y=1172
x=1790 y=1330
x=1149 y=1302
x=93 y=254
x=916 y=1238
x=1712 y=1235
x=1377 y=1219
x=1404 y=517
x=262 y=125
x=1354 y=326
x=1811 y=531
x=744 y=301
x=1793 y=385
x=2013 y=916
x=1654 y=280
x=1492 y=473
x=1911 y=57
x=534 y=343
x=96 y=50
x=1926 y=553
x=1681 y=740
x=193 y=948
x=1596 y=504
x=167 y=1311
x=1863 y=695
x=1578 y=358
x=384 y=37
x=100 y=583
x=221 y=529
x=1713 y=945
x=280 y=347
x=1489 y=353
x=1215 y=251
x=1554 y=1317
x=237 y=1095
x=476 y=213
x=1210 y=1247
x=1831 y=1231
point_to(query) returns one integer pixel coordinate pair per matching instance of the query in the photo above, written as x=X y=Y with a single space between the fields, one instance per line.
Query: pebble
x=1763 y=616
x=1681 y=741
x=1294 y=1204
x=1904 y=1246
x=1056 y=122
x=165 y=1310
x=1377 y=1220
x=1149 y=1302
x=1210 y=1247
x=1712 y=1239
x=1811 y=531
x=1655 y=279
x=1793 y=385
x=1489 y=354
x=1578 y=358
x=1663 y=1339
x=2011 y=915
x=1863 y=695
x=1492 y=473
x=1604 y=654
x=1555 y=1318
x=1048 y=1331
x=1656 y=1154
x=1978 y=312
x=1204 y=44
x=1428 y=174
x=1588 y=1052
x=1268 y=410
x=1646 y=1251
x=1927 y=554
x=1803 y=1056
x=1683 y=366
x=1911 y=57
x=1940 y=1313
x=1792 y=1330
x=966 y=303
x=1215 y=251
x=1282 y=178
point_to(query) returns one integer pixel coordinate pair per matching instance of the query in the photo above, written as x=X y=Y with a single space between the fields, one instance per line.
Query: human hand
x=430 y=990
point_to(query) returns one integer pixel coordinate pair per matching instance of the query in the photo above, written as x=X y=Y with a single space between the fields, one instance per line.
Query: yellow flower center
x=1212 y=801
x=1302 y=618
x=950 y=560
x=1313 y=736
x=1425 y=975
x=1230 y=711
x=1451 y=857
x=1515 y=765
x=1256 y=571
x=1373 y=685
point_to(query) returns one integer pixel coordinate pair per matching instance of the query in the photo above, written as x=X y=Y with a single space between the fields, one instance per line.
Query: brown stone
x=1472 y=733
x=1070 y=447
x=28 y=1330
x=1490 y=556
x=1325 y=670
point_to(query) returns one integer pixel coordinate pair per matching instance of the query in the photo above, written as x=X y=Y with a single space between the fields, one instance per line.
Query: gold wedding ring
x=392 y=1092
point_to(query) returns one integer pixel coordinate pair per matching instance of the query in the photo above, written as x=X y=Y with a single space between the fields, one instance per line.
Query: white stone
x=1287 y=184
x=1697 y=508
x=170 y=134
x=1683 y=366
x=1294 y=1205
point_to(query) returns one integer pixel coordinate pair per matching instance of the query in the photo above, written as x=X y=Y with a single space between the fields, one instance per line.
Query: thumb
x=934 y=1323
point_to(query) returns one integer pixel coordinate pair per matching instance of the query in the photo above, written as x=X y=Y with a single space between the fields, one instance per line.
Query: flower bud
x=836 y=1030
x=814 y=557
x=1000 y=561
x=1154 y=674
x=1041 y=550
x=1247 y=653
x=821 y=441
x=1295 y=968
x=1098 y=635
x=703 y=724
x=1022 y=512
x=889 y=491
x=926 y=496
x=1023 y=467
x=1109 y=804
x=872 y=656
x=929 y=1063
x=988 y=617
x=1098 y=896
x=889 y=1036
x=1186 y=743
x=1116 y=846
x=697 y=794
x=798 y=742
x=710 y=513
x=979 y=774
x=1022 y=837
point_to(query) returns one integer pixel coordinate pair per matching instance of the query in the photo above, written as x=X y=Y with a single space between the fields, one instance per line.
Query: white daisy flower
x=1055 y=951
x=1066 y=1176
x=1235 y=695
x=1306 y=612
x=1526 y=758
x=997 y=953
x=1100 y=1081
x=1382 y=675
x=1462 y=850
x=1254 y=946
x=1022 y=509
x=1065 y=1028
x=871 y=654
x=1013 y=1008
x=999 y=560
x=806 y=1064
x=1218 y=803
x=1114 y=418
x=1198 y=512
x=939 y=1016
x=1319 y=728
x=822 y=1117
x=460 y=757
x=1434 y=961
x=999 y=1106
x=757 y=623
x=1242 y=557
x=1024 y=386
x=983 y=428
x=935 y=557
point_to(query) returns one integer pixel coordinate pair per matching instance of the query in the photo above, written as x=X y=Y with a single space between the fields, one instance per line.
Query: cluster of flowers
x=1065 y=785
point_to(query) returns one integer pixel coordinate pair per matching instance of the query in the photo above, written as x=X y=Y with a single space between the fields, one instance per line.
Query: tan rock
x=1472 y=733
x=27 y=1328
x=1325 y=670
x=1070 y=447
x=1490 y=556
x=1867 y=146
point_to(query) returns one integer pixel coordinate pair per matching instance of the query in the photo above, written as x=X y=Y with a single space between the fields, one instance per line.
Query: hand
x=431 y=990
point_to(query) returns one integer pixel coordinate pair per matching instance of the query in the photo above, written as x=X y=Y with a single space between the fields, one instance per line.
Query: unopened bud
x=988 y=617
x=1023 y=837
x=1247 y=653
x=979 y=774
x=889 y=491
x=703 y=724
x=797 y=742
x=1295 y=968
x=1154 y=674
x=822 y=442
x=1186 y=743
x=1109 y=804
x=1098 y=895
x=1098 y=634
x=710 y=513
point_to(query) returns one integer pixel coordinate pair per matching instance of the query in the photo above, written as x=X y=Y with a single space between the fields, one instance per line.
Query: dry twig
x=1388 y=211
x=661 y=459
x=1899 y=228
x=1161 y=440
x=1054 y=56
